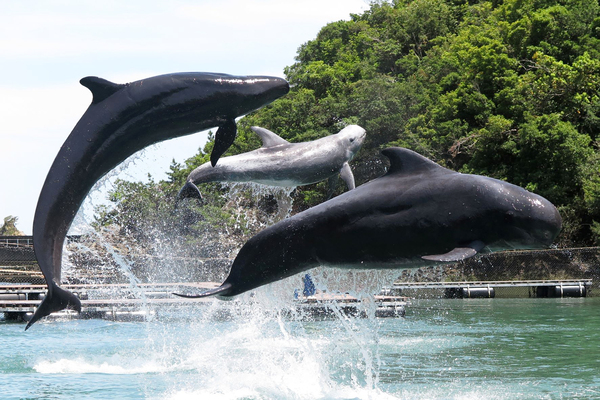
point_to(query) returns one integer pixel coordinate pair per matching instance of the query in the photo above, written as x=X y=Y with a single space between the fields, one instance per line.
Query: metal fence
x=16 y=241
x=19 y=265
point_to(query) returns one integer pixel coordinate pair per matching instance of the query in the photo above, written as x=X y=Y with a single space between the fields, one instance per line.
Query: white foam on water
x=255 y=362
x=250 y=358
x=117 y=365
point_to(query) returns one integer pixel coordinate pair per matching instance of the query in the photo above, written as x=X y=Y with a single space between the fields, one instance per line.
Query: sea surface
x=442 y=349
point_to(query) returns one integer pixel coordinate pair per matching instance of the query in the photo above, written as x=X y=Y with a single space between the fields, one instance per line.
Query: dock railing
x=16 y=241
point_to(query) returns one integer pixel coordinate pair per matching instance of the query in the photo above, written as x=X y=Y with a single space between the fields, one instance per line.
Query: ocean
x=442 y=349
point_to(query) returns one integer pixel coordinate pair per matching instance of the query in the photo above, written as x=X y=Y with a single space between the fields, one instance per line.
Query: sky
x=48 y=46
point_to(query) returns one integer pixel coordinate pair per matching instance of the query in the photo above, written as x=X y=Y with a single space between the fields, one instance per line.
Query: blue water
x=443 y=349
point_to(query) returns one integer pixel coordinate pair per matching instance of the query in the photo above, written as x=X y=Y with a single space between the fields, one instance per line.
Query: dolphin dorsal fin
x=100 y=88
x=404 y=161
x=268 y=138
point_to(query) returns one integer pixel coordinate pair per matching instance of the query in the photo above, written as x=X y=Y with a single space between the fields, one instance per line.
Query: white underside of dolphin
x=281 y=163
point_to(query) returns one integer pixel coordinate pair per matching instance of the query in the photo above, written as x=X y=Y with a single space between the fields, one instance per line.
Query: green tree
x=9 y=227
x=509 y=89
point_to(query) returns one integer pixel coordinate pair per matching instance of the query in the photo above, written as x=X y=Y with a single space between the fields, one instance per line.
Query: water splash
x=265 y=348
x=82 y=227
x=263 y=354
x=280 y=198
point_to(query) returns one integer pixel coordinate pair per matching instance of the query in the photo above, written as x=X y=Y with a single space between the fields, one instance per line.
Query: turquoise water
x=443 y=349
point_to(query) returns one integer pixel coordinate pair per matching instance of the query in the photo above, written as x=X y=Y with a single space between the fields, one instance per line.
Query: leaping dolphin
x=281 y=163
x=122 y=119
x=417 y=214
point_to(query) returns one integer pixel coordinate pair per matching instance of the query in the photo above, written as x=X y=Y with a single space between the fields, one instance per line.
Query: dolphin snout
x=270 y=87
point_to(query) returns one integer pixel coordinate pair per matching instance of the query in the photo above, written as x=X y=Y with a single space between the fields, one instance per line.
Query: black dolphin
x=417 y=214
x=122 y=119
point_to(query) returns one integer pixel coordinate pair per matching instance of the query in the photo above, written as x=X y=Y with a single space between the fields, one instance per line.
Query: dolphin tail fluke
x=220 y=290
x=57 y=299
x=189 y=191
x=223 y=140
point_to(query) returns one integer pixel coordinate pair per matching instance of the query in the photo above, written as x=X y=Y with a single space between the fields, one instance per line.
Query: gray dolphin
x=121 y=120
x=281 y=163
x=417 y=214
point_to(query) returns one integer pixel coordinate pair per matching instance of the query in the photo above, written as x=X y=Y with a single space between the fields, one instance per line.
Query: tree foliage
x=508 y=89
x=9 y=227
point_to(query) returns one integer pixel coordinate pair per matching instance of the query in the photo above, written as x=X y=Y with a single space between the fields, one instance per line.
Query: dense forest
x=507 y=89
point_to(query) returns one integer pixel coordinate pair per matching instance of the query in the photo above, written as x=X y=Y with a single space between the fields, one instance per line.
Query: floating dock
x=488 y=289
x=127 y=302
x=122 y=301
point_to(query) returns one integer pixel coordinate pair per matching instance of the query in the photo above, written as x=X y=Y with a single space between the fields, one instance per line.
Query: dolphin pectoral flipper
x=56 y=299
x=347 y=176
x=457 y=254
x=223 y=139
x=223 y=288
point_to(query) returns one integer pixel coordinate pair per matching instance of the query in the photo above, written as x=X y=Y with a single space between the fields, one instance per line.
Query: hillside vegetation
x=508 y=89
